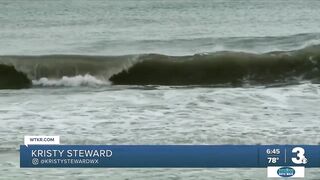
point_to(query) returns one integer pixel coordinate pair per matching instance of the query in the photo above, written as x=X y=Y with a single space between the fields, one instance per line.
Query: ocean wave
x=233 y=68
x=226 y=67
x=193 y=45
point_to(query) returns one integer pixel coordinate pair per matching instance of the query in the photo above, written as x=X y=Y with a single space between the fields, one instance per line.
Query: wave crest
x=226 y=67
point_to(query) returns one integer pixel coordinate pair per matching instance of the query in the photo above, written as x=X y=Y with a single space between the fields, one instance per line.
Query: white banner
x=38 y=140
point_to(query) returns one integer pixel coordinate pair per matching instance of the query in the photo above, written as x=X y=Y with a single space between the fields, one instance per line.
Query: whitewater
x=158 y=72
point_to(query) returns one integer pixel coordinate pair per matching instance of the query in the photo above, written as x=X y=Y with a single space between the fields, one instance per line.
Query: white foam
x=79 y=80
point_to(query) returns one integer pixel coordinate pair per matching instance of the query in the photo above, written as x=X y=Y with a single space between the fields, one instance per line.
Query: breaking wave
x=219 y=68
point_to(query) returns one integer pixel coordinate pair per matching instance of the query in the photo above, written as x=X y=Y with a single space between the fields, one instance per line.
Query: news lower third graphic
x=280 y=160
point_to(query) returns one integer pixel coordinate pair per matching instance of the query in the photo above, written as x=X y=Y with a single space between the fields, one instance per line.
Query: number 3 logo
x=300 y=159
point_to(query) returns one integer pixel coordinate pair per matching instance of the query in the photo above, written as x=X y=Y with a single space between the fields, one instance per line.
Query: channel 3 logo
x=300 y=157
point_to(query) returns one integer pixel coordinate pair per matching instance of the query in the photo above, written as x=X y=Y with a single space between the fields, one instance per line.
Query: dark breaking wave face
x=10 y=78
x=220 y=68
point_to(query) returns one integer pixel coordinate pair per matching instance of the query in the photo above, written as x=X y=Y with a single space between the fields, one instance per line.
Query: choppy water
x=79 y=103
x=160 y=26
x=158 y=115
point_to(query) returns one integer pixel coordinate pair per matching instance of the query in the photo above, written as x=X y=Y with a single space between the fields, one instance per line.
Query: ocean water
x=160 y=26
x=159 y=72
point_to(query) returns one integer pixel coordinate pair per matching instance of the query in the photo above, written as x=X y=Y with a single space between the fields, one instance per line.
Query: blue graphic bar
x=168 y=156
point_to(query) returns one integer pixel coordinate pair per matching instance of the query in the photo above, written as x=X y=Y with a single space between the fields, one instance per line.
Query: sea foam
x=79 y=80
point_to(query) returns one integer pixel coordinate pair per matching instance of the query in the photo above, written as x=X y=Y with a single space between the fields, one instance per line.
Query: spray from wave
x=65 y=81
x=220 y=68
